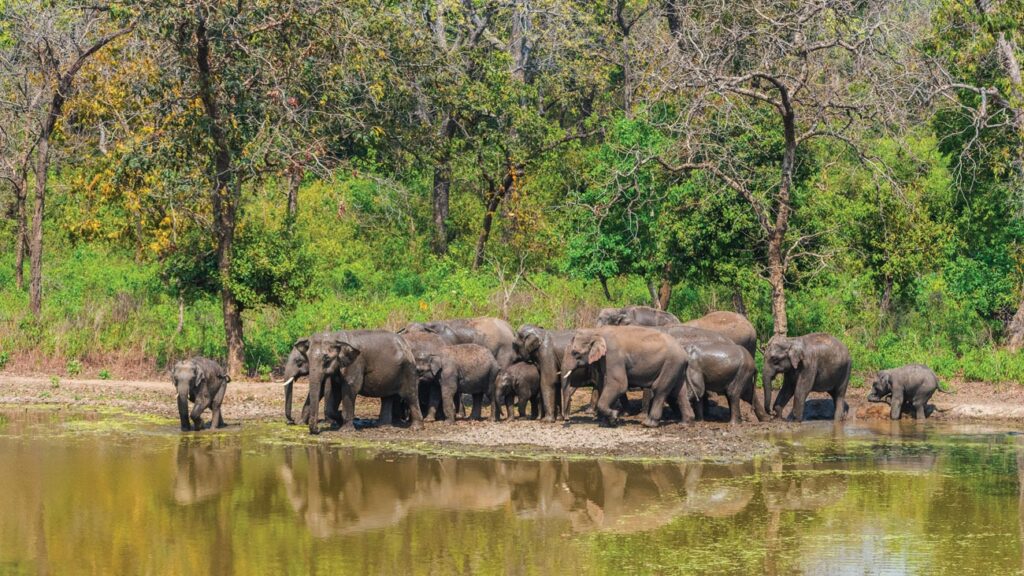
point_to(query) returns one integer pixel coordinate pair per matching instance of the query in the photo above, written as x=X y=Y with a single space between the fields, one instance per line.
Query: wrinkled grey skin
x=460 y=369
x=372 y=363
x=492 y=333
x=815 y=362
x=628 y=356
x=909 y=387
x=203 y=382
x=538 y=347
x=685 y=336
x=422 y=342
x=730 y=324
x=635 y=316
x=726 y=369
x=519 y=383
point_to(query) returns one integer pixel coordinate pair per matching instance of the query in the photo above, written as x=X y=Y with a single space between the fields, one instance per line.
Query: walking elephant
x=811 y=363
x=730 y=324
x=635 y=316
x=372 y=363
x=492 y=333
x=203 y=382
x=519 y=383
x=621 y=357
x=906 y=387
x=460 y=369
x=726 y=369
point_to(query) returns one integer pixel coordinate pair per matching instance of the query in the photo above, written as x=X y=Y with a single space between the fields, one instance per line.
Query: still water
x=86 y=495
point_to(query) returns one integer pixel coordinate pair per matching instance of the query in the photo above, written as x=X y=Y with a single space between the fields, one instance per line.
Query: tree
x=46 y=46
x=817 y=67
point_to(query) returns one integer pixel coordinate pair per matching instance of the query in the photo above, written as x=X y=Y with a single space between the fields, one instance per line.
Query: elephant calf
x=521 y=382
x=203 y=382
x=460 y=369
x=727 y=369
x=906 y=387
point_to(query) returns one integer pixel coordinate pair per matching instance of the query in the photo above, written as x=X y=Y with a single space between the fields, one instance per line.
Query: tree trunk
x=1015 y=329
x=36 y=239
x=21 y=233
x=665 y=291
x=777 y=280
x=886 y=304
x=493 y=201
x=777 y=234
x=738 y=305
x=442 y=188
x=652 y=289
x=604 y=286
x=225 y=192
x=295 y=174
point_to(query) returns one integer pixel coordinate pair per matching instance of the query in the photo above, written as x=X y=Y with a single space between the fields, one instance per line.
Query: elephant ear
x=886 y=379
x=201 y=375
x=435 y=366
x=347 y=353
x=598 y=349
x=302 y=345
x=796 y=354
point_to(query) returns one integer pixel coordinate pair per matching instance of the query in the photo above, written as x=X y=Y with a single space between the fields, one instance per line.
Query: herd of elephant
x=425 y=369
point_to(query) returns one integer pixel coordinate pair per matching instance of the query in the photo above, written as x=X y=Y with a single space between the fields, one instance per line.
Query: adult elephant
x=811 y=363
x=635 y=316
x=730 y=324
x=424 y=343
x=726 y=369
x=492 y=333
x=621 y=357
x=544 y=349
x=372 y=363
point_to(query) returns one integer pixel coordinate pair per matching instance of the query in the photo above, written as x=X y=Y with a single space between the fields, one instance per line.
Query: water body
x=88 y=494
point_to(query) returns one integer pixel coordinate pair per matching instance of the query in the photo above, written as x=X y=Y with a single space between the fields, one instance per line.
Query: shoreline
x=263 y=403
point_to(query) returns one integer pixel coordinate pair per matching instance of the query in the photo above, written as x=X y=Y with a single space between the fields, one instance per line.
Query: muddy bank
x=263 y=402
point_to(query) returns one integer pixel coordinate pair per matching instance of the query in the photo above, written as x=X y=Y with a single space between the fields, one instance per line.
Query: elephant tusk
x=566 y=375
x=288 y=382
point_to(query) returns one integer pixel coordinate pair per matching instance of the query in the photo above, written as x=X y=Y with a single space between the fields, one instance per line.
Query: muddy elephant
x=811 y=363
x=203 y=382
x=492 y=333
x=544 y=349
x=519 y=383
x=460 y=369
x=635 y=316
x=622 y=357
x=726 y=369
x=907 y=387
x=730 y=324
x=371 y=363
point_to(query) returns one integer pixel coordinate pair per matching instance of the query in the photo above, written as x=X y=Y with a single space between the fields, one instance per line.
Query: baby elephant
x=459 y=369
x=202 y=381
x=519 y=381
x=906 y=387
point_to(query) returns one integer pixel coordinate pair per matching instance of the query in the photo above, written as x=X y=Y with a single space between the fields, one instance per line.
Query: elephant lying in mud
x=460 y=369
x=908 y=387
x=811 y=363
x=635 y=316
x=519 y=383
x=203 y=382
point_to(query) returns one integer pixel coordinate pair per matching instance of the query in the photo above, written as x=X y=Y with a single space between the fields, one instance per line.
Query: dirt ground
x=710 y=440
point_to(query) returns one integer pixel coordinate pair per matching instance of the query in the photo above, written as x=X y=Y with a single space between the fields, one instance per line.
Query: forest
x=186 y=177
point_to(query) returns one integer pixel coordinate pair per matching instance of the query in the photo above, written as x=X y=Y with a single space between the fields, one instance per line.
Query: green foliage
x=73 y=367
x=104 y=374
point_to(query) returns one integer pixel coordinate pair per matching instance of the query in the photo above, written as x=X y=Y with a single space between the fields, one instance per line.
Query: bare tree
x=821 y=69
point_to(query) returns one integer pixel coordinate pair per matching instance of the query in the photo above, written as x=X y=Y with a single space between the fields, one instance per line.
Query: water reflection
x=871 y=499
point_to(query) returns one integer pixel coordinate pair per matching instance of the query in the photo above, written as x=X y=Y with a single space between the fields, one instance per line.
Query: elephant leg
x=523 y=399
x=332 y=400
x=686 y=413
x=839 y=399
x=535 y=406
x=477 y=405
x=804 y=385
x=919 y=410
x=653 y=418
x=645 y=402
x=734 y=406
x=783 y=397
x=449 y=398
x=595 y=396
x=604 y=406
x=218 y=418
x=304 y=417
x=698 y=408
x=202 y=403
x=348 y=409
x=385 y=416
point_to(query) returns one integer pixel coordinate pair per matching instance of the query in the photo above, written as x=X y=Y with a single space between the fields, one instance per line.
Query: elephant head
x=428 y=367
x=328 y=356
x=528 y=341
x=296 y=366
x=782 y=355
x=612 y=317
x=881 y=388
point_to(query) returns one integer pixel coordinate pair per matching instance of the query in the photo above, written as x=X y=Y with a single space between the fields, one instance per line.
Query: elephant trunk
x=767 y=376
x=182 y=388
x=289 y=384
x=316 y=385
x=567 y=392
